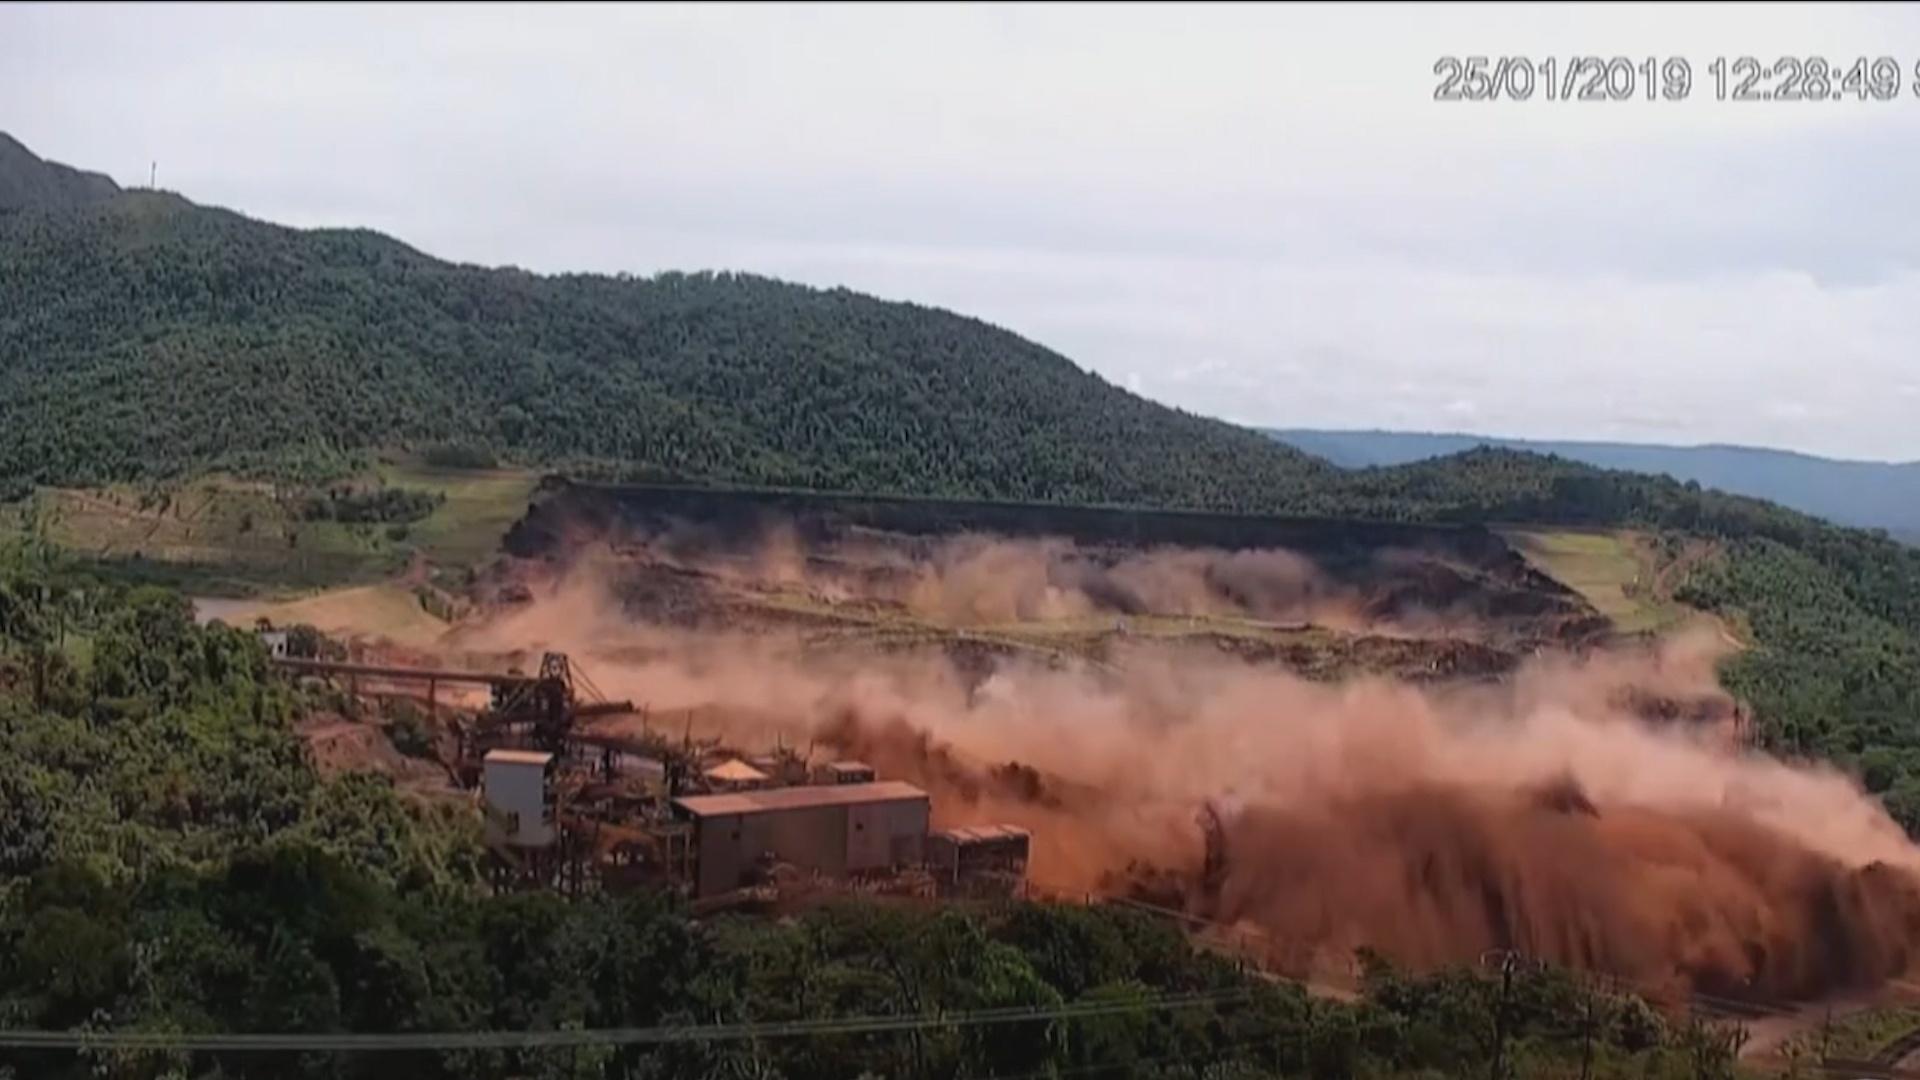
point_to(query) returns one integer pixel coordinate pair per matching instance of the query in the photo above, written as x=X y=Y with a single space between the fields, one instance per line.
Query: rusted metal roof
x=797 y=798
x=735 y=771
x=977 y=834
x=517 y=757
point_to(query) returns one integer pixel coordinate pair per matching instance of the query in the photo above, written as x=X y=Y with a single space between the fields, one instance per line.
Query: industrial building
x=277 y=643
x=514 y=784
x=835 y=829
x=736 y=775
x=577 y=810
x=979 y=859
x=845 y=772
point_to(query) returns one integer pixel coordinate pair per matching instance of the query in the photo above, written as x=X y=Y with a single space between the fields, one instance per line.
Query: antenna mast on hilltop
x=153 y=174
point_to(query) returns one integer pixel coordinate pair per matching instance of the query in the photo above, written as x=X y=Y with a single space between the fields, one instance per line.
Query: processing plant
x=577 y=811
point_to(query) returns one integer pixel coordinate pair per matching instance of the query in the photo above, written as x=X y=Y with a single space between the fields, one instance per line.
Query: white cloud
x=1257 y=213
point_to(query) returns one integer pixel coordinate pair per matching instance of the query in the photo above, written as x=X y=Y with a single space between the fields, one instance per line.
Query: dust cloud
x=975 y=578
x=1431 y=822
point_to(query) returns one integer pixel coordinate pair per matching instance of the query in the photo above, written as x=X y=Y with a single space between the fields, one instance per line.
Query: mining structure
x=579 y=811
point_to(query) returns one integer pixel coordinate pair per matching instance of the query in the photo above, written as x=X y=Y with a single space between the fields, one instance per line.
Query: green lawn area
x=481 y=505
x=213 y=531
x=1613 y=570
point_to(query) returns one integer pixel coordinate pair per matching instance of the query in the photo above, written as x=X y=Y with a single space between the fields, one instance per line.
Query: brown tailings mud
x=1431 y=822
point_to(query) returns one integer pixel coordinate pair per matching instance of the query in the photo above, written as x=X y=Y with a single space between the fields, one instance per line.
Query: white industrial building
x=514 y=785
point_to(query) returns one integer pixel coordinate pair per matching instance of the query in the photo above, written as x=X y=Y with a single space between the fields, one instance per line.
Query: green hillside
x=26 y=181
x=1866 y=494
x=148 y=337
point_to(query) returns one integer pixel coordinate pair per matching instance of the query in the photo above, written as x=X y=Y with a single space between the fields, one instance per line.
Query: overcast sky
x=1259 y=214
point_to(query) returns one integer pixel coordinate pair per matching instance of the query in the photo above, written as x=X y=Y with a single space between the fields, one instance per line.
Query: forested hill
x=146 y=336
x=28 y=182
x=1865 y=494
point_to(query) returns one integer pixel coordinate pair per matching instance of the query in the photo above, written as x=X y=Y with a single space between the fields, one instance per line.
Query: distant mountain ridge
x=1865 y=494
x=29 y=183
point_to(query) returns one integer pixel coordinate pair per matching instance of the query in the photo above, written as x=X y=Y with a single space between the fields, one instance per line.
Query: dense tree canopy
x=146 y=336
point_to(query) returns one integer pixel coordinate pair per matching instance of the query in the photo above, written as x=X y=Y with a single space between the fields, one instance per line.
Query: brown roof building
x=835 y=829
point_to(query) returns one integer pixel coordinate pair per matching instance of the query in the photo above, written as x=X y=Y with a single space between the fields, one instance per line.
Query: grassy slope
x=480 y=506
x=382 y=611
x=1617 y=571
x=224 y=535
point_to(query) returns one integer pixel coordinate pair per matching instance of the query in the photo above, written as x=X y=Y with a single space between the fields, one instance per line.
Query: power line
x=1216 y=1054
x=657 y=1035
x=1293 y=1035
